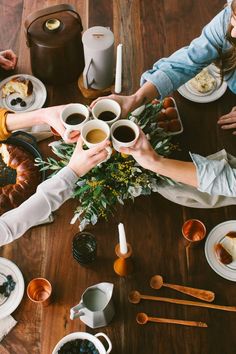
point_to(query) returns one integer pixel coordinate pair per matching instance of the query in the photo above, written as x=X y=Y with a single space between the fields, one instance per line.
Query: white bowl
x=83 y=335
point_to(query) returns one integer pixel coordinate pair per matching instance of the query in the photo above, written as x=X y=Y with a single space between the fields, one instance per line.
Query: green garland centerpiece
x=117 y=179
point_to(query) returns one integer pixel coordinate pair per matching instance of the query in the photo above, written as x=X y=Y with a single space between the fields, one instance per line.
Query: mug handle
x=66 y=135
x=76 y=311
x=100 y=334
x=85 y=74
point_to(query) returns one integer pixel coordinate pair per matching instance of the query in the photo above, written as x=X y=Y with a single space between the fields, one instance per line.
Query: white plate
x=216 y=236
x=188 y=92
x=35 y=101
x=8 y=305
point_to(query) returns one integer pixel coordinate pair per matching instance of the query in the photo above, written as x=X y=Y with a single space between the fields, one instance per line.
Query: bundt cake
x=26 y=178
x=19 y=85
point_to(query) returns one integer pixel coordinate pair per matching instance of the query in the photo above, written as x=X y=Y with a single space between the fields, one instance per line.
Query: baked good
x=19 y=85
x=26 y=180
x=226 y=250
x=203 y=82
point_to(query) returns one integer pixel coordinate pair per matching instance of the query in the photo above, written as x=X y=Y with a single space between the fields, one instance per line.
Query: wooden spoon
x=142 y=318
x=135 y=297
x=156 y=282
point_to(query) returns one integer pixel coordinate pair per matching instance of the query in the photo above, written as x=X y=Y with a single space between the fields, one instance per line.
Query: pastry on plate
x=226 y=250
x=203 y=82
x=20 y=85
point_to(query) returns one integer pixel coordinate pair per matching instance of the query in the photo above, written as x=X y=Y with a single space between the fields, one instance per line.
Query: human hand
x=51 y=116
x=82 y=161
x=127 y=103
x=228 y=121
x=8 y=59
x=143 y=152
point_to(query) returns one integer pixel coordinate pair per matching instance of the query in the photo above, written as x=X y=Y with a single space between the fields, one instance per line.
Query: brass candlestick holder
x=123 y=265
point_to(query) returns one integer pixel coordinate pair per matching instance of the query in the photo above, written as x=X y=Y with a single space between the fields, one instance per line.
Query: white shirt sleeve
x=216 y=174
x=50 y=195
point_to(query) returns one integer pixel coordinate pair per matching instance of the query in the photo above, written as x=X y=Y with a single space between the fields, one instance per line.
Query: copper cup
x=194 y=231
x=39 y=290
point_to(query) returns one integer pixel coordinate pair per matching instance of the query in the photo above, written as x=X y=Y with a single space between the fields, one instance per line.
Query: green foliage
x=117 y=179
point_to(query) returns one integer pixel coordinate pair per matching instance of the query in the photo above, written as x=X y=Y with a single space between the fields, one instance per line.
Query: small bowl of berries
x=82 y=342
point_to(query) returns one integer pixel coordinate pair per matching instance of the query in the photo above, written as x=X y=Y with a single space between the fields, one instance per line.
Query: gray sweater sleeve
x=50 y=195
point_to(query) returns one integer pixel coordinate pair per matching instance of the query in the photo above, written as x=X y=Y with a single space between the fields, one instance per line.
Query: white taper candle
x=118 y=78
x=122 y=239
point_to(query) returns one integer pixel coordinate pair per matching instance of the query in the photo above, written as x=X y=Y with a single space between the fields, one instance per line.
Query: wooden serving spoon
x=142 y=318
x=156 y=282
x=135 y=297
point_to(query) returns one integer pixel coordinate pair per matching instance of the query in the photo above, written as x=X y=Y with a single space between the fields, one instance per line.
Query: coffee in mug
x=94 y=132
x=106 y=110
x=124 y=133
x=106 y=116
x=95 y=136
x=73 y=117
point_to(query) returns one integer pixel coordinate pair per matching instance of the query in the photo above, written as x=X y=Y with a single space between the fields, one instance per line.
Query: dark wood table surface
x=149 y=30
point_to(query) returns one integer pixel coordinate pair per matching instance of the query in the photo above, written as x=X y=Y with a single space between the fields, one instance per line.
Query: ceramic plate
x=35 y=101
x=8 y=305
x=191 y=94
x=217 y=236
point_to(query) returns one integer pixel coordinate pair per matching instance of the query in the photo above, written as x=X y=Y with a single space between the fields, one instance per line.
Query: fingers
x=99 y=157
x=127 y=151
x=97 y=149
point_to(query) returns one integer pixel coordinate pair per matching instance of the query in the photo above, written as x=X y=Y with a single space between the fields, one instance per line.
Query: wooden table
x=149 y=30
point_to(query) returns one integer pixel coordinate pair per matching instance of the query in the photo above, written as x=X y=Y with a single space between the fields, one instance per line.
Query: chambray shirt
x=168 y=74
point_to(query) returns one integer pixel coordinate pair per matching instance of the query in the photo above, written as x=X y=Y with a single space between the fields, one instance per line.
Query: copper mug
x=39 y=290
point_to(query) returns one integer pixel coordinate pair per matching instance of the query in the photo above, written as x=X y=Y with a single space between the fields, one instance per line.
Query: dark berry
x=18 y=99
x=23 y=104
x=13 y=102
x=9 y=277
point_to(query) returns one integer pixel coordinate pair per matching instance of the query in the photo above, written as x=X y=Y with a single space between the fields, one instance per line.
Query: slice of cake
x=20 y=85
x=226 y=250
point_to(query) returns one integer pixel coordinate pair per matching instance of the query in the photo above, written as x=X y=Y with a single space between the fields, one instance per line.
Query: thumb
x=79 y=145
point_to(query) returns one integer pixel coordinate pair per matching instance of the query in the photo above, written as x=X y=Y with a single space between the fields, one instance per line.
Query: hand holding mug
x=73 y=118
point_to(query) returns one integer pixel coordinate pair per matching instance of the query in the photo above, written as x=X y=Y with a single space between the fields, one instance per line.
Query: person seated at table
x=204 y=183
x=217 y=43
x=8 y=59
x=50 y=194
x=10 y=121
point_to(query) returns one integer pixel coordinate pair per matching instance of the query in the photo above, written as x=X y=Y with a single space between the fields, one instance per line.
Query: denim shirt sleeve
x=170 y=73
x=215 y=177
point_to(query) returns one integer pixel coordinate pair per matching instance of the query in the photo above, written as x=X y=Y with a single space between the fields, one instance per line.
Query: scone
x=20 y=85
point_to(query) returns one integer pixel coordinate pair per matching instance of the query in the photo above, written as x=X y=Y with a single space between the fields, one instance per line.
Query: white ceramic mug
x=106 y=105
x=83 y=335
x=127 y=137
x=73 y=108
x=95 y=132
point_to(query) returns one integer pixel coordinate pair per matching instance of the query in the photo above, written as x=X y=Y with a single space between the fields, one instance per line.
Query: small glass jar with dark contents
x=84 y=248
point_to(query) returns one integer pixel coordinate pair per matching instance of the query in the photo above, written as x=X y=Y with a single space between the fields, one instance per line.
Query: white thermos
x=98 y=45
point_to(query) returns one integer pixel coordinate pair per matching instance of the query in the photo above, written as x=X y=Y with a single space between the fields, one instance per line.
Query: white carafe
x=98 y=45
x=96 y=306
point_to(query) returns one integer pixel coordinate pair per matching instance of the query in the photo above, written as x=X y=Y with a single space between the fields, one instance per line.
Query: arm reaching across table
x=50 y=194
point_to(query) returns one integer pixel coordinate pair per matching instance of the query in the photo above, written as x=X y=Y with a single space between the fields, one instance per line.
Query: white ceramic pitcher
x=96 y=306
x=98 y=45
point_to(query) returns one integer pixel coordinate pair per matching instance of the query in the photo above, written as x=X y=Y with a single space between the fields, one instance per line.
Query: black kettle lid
x=53 y=26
